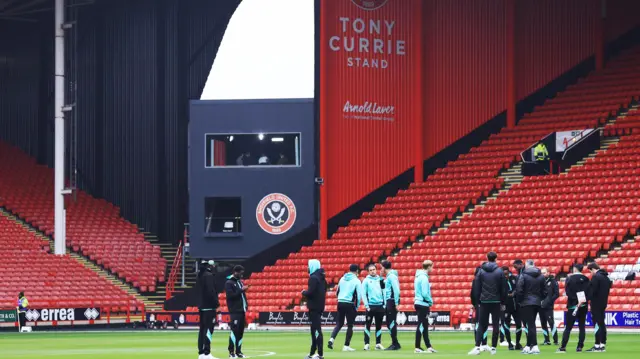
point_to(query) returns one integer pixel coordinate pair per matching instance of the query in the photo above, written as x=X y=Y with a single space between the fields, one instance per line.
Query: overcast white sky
x=266 y=53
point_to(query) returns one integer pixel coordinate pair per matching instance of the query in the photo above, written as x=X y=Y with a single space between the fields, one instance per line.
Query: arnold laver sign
x=276 y=213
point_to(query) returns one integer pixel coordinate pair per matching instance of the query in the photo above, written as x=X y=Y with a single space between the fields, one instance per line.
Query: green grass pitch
x=182 y=344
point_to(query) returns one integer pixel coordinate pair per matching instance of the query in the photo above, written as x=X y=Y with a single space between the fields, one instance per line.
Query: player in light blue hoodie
x=372 y=288
x=392 y=301
x=349 y=296
x=423 y=303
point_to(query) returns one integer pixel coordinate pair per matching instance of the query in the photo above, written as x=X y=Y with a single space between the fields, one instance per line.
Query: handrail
x=580 y=140
x=173 y=274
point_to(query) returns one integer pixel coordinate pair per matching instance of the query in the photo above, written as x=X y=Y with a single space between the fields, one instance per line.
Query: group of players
x=498 y=293
x=495 y=293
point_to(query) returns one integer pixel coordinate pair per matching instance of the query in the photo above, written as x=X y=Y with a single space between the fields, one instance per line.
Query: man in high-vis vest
x=21 y=308
x=540 y=152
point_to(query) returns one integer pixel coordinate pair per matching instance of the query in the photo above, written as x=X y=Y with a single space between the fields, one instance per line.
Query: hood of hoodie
x=533 y=272
x=349 y=277
x=314 y=265
x=392 y=273
x=603 y=272
x=579 y=276
x=421 y=273
x=373 y=277
x=489 y=266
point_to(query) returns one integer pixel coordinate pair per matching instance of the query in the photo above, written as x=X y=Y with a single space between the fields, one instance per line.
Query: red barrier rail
x=173 y=274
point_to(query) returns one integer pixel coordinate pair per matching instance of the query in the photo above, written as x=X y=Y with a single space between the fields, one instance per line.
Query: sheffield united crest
x=276 y=213
x=369 y=4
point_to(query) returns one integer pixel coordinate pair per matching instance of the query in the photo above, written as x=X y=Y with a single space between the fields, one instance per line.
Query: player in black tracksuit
x=316 y=294
x=237 y=304
x=209 y=303
x=546 y=311
x=491 y=293
x=476 y=308
x=599 y=289
x=575 y=283
x=510 y=311
x=530 y=290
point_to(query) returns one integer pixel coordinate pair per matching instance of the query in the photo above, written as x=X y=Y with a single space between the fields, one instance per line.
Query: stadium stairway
x=410 y=226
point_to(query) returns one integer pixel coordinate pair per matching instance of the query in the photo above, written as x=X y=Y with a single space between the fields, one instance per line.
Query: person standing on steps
x=510 y=310
x=392 y=301
x=423 y=303
x=316 y=296
x=490 y=292
x=373 y=299
x=237 y=304
x=546 y=310
x=209 y=304
x=576 y=289
x=599 y=296
x=349 y=294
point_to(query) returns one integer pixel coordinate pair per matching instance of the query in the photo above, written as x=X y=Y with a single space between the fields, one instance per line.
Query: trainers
x=430 y=350
x=603 y=348
x=561 y=351
x=504 y=344
x=579 y=350
x=485 y=348
x=519 y=346
x=393 y=347
x=535 y=350
x=379 y=347
x=475 y=351
x=347 y=348
x=493 y=351
x=594 y=350
x=526 y=350
x=546 y=343
x=366 y=347
x=418 y=351
x=201 y=356
x=511 y=347
x=330 y=344
x=240 y=355
x=232 y=356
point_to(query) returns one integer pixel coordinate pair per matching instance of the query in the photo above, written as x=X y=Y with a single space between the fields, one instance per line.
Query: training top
x=422 y=289
x=350 y=289
x=392 y=287
x=372 y=288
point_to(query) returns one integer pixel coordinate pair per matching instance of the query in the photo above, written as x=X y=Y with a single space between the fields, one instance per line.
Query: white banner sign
x=565 y=139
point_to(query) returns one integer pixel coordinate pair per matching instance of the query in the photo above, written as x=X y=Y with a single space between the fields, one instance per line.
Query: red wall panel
x=622 y=16
x=464 y=68
x=366 y=149
x=551 y=37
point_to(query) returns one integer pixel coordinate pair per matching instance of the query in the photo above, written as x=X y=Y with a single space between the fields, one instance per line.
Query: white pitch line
x=151 y=350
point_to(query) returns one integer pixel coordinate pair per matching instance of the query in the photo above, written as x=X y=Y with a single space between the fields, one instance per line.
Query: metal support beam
x=59 y=211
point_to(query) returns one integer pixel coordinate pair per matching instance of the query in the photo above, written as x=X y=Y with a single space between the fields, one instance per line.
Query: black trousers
x=600 y=328
x=22 y=318
x=317 y=340
x=529 y=314
x=422 y=332
x=581 y=317
x=392 y=314
x=485 y=310
x=237 y=332
x=207 y=325
x=345 y=311
x=505 y=330
x=548 y=325
x=375 y=312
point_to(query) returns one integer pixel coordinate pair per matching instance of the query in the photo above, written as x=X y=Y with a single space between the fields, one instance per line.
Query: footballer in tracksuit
x=476 y=309
x=422 y=303
x=349 y=296
x=209 y=303
x=490 y=292
x=575 y=283
x=316 y=295
x=237 y=304
x=392 y=300
x=599 y=289
x=546 y=310
x=510 y=311
x=530 y=290
x=373 y=299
